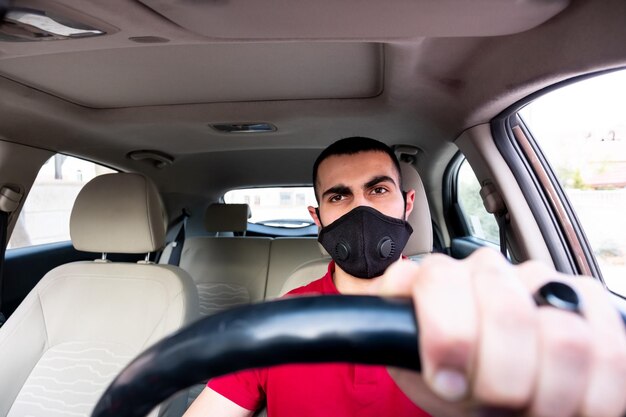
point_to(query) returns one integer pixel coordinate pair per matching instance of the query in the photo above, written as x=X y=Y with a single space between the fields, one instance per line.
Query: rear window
x=278 y=206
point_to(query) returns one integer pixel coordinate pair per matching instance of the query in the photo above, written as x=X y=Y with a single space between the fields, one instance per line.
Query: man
x=485 y=345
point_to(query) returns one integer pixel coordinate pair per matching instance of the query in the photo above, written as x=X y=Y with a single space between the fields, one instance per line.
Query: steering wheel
x=358 y=329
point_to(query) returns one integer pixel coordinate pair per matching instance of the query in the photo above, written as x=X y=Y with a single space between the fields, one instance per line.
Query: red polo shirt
x=334 y=389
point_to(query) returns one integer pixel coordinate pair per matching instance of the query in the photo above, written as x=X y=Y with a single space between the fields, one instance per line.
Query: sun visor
x=355 y=19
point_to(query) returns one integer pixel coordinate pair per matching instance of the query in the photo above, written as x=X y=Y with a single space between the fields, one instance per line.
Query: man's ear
x=409 y=199
x=314 y=216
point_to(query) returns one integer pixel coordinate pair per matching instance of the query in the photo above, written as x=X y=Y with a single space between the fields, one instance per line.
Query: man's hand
x=485 y=344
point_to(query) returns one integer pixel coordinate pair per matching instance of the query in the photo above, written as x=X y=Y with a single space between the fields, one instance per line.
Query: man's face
x=362 y=179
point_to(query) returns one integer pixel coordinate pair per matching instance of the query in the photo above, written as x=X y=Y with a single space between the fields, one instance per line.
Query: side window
x=581 y=130
x=481 y=224
x=45 y=216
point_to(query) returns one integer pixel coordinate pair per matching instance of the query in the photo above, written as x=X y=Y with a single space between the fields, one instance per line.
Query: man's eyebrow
x=378 y=179
x=337 y=189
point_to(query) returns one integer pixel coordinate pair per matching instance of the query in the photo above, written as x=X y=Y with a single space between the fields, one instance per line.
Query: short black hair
x=351 y=146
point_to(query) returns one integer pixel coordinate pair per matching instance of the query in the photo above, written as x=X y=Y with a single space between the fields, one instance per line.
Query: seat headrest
x=227 y=217
x=421 y=240
x=118 y=213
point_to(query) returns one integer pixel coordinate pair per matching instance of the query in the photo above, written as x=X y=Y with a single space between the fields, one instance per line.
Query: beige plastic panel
x=478 y=147
x=19 y=166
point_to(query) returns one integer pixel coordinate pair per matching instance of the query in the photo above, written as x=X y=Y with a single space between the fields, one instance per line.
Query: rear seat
x=228 y=271
x=233 y=270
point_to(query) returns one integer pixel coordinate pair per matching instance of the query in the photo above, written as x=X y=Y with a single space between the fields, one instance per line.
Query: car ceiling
x=409 y=72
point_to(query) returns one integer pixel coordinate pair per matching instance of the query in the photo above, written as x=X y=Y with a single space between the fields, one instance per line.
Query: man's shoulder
x=314 y=287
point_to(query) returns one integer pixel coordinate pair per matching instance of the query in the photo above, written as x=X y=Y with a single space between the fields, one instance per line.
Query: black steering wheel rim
x=310 y=329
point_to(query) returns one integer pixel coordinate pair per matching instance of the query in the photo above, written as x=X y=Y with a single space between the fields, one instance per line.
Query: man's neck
x=350 y=285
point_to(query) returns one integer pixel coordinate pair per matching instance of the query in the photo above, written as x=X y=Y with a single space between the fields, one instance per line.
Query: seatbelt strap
x=179 y=240
x=4 y=223
x=494 y=204
x=503 y=221
x=9 y=202
x=4 y=8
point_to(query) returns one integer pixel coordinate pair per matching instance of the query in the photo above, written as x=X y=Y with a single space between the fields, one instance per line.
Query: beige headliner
x=418 y=90
x=168 y=74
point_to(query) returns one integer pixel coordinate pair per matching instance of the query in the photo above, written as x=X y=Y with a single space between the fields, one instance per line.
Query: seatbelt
x=494 y=204
x=179 y=240
x=4 y=223
x=9 y=202
x=4 y=8
x=503 y=220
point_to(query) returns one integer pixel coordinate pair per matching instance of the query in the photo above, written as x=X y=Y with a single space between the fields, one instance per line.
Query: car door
x=470 y=225
x=566 y=146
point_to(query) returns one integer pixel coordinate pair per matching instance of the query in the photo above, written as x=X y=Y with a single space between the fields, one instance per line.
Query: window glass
x=482 y=225
x=278 y=206
x=45 y=217
x=581 y=129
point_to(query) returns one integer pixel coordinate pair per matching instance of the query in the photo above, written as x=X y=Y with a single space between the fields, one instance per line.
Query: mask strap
x=404 y=199
x=317 y=213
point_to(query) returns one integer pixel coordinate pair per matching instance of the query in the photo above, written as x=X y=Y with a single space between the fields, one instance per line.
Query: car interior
x=184 y=101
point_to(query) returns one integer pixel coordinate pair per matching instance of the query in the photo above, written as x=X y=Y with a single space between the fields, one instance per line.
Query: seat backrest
x=286 y=255
x=304 y=274
x=227 y=270
x=84 y=321
x=421 y=241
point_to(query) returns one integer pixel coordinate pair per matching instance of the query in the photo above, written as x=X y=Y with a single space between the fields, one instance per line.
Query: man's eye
x=336 y=198
x=379 y=190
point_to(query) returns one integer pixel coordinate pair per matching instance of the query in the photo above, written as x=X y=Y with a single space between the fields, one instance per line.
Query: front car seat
x=84 y=321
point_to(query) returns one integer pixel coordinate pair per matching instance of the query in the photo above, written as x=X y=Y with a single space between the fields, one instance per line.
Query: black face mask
x=364 y=242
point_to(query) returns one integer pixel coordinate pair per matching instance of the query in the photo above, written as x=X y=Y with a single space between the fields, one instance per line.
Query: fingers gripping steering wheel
x=358 y=329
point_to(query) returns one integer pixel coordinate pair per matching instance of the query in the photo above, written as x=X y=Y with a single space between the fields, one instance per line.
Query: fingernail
x=450 y=384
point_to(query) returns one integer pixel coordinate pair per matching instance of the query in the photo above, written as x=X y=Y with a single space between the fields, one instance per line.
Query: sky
x=595 y=105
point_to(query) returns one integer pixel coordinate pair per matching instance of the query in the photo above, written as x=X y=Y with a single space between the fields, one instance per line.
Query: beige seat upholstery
x=227 y=270
x=84 y=321
x=304 y=274
x=286 y=255
x=420 y=243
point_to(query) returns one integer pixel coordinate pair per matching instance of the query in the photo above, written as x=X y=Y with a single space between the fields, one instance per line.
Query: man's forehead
x=360 y=167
